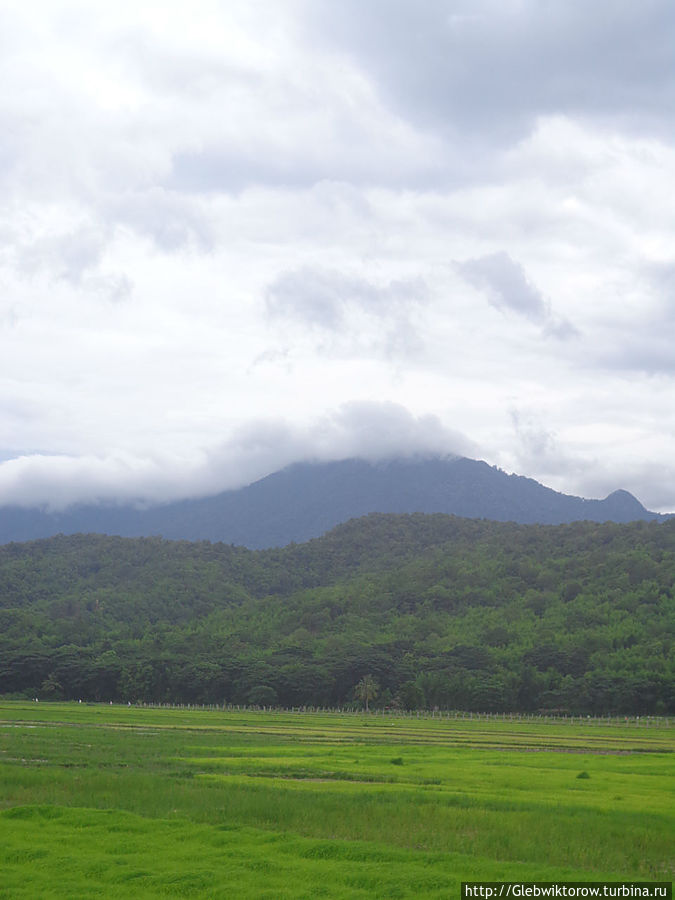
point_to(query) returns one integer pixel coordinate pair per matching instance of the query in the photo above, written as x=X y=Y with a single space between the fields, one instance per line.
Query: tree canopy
x=439 y=611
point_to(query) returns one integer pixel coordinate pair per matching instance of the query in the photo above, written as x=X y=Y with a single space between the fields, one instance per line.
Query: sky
x=239 y=234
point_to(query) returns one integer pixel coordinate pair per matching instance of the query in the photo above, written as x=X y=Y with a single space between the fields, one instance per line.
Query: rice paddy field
x=114 y=801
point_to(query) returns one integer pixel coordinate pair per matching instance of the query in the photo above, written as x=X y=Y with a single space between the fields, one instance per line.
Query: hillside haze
x=307 y=499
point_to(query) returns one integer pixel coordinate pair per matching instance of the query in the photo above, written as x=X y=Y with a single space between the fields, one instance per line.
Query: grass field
x=110 y=801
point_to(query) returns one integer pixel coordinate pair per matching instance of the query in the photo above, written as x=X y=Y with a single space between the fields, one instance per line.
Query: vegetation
x=366 y=690
x=439 y=611
x=110 y=801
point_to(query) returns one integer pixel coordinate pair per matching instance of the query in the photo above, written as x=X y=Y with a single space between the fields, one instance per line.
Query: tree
x=51 y=688
x=262 y=695
x=367 y=689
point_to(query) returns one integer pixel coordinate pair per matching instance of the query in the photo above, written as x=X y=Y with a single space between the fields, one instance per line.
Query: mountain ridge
x=306 y=499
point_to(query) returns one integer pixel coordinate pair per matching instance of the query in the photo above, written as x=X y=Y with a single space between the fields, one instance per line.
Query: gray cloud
x=639 y=338
x=506 y=285
x=537 y=450
x=315 y=296
x=268 y=179
x=375 y=430
x=349 y=314
x=323 y=297
x=172 y=220
x=648 y=351
x=74 y=257
x=536 y=442
x=492 y=67
x=349 y=153
x=507 y=288
x=366 y=429
x=369 y=430
x=66 y=255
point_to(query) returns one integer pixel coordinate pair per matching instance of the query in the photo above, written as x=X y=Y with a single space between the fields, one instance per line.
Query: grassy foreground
x=99 y=801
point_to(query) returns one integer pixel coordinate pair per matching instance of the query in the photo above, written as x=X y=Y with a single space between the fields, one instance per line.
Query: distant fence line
x=440 y=714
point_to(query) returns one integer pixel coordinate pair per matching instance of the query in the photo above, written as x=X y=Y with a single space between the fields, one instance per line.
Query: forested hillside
x=441 y=611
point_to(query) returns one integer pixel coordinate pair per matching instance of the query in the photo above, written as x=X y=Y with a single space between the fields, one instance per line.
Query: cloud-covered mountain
x=307 y=499
x=232 y=231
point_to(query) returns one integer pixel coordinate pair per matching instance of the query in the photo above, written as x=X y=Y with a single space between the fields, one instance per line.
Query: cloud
x=490 y=68
x=66 y=255
x=277 y=189
x=375 y=430
x=368 y=430
x=355 y=313
x=648 y=351
x=56 y=482
x=323 y=297
x=535 y=440
x=171 y=220
x=506 y=285
x=635 y=339
x=539 y=451
x=315 y=297
x=508 y=289
x=574 y=463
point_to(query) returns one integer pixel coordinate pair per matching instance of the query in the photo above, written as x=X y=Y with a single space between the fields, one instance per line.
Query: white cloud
x=367 y=430
x=223 y=215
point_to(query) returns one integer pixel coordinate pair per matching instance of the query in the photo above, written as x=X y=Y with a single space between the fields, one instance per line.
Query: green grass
x=99 y=801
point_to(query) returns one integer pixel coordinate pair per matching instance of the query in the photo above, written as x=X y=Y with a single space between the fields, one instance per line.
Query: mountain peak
x=621 y=501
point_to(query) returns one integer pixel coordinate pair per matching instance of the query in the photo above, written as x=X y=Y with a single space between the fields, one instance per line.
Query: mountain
x=307 y=499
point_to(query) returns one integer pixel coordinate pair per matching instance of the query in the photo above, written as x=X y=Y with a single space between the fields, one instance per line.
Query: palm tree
x=367 y=689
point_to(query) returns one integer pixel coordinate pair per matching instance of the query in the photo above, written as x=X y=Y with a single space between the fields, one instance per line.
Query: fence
x=640 y=721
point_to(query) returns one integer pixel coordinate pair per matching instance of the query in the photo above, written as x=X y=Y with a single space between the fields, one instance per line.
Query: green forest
x=436 y=611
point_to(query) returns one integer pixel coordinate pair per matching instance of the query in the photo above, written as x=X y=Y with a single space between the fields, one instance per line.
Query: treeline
x=439 y=611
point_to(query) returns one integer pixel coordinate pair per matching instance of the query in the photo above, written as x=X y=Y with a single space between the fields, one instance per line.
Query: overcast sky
x=238 y=234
